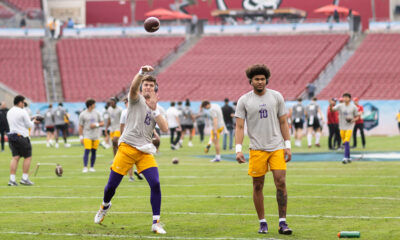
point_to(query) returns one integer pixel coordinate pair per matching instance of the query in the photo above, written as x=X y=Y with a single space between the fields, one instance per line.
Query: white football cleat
x=101 y=214
x=57 y=146
x=92 y=170
x=48 y=144
x=158 y=228
x=85 y=170
x=67 y=145
x=190 y=144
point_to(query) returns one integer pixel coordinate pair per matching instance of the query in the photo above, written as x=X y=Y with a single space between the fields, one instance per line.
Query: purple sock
x=86 y=157
x=346 y=150
x=113 y=181
x=151 y=175
x=93 y=158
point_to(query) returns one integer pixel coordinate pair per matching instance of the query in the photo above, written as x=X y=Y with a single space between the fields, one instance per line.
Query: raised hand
x=147 y=68
x=152 y=100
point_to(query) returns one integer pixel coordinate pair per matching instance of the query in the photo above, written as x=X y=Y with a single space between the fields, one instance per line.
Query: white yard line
x=202 y=213
x=202 y=196
x=126 y=236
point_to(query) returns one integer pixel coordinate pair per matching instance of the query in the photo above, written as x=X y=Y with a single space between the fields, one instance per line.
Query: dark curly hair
x=258 y=69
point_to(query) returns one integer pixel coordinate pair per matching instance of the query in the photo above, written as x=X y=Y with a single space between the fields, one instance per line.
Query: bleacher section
x=99 y=68
x=214 y=68
x=372 y=72
x=21 y=67
x=24 y=5
x=5 y=13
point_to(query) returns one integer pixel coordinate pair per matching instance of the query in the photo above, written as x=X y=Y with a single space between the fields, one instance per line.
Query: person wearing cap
x=333 y=125
x=359 y=125
x=19 y=141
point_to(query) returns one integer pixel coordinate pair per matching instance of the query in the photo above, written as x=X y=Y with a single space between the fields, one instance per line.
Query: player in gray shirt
x=296 y=115
x=187 y=122
x=49 y=125
x=348 y=115
x=59 y=119
x=314 y=123
x=135 y=145
x=264 y=112
x=90 y=122
x=113 y=123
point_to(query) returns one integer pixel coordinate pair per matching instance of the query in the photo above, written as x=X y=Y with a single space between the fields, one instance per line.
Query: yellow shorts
x=116 y=133
x=346 y=135
x=127 y=156
x=219 y=131
x=261 y=162
x=90 y=144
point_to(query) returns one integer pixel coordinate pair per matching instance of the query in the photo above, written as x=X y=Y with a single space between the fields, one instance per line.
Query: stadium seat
x=372 y=72
x=21 y=67
x=217 y=63
x=25 y=5
x=102 y=67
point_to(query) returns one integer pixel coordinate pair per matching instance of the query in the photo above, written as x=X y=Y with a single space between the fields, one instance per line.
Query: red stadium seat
x=100 y=68
x=214 y=68
x=21 y=67
x=372 y=72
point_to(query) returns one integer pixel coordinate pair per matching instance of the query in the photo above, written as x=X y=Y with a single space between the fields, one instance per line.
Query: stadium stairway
x=51 y=71
x=327 y=75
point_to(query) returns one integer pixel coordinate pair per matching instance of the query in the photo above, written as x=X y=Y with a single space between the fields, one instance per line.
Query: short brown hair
x=90 y=102
x=258 y=69
x=205 y=104
x=149 y=78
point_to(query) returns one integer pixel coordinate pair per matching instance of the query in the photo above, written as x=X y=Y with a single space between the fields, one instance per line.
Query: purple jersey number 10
x=263 y=113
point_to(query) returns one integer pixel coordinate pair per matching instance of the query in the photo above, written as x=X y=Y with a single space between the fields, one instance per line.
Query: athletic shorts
x=104 y=132
x=20 y=146
x=315 y=125
x=190 y=127
x=61 y=127
x=50 y=129
x=346 y=135
x=116 y=133
x=127 y=156
x=219 y=131
x=260 y=162
x=299 y=125
x=90 y=144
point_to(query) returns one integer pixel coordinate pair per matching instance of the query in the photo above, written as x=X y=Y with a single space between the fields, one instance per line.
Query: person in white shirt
x=174 y=125
x=18 y=139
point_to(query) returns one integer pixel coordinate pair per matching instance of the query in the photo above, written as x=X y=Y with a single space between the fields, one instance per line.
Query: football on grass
x=175 y=161
x=151 y=24
x=59 y=170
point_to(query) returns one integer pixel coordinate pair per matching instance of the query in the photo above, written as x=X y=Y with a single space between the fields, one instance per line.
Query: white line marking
x=128 y=236
x=201 y=196
x=203 y=213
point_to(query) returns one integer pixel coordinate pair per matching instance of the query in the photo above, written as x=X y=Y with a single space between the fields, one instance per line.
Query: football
x=151 y=24
x=175 y=160
x=349 y=120
x=156 y=142
x=59 y=170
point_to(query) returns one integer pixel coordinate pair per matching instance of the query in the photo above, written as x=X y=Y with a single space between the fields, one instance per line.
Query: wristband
x=155 y=113
x=80 y=137
x=288 y=144
x=238 y=148
x=97 y=125
x=141 y=73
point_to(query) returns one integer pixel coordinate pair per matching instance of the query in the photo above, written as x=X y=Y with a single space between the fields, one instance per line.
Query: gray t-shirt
x=262 y=117
x=49 y=118
x=59 y=113
x=216 y=112
x=312 y=110
x=140 y=124
x=297 y=112
x=86 y=118
x=187 y=116
x=115 y=117
x=349 y=111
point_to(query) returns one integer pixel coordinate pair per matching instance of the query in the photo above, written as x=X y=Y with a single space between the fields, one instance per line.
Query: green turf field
x=202 y=200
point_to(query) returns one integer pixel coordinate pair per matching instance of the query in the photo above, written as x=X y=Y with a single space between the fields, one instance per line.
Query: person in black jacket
x=3 y=123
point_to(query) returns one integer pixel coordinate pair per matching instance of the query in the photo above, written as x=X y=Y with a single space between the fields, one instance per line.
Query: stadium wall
x=381 y=113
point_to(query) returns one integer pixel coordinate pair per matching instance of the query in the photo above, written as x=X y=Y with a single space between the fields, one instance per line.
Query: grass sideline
x=202 y=200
